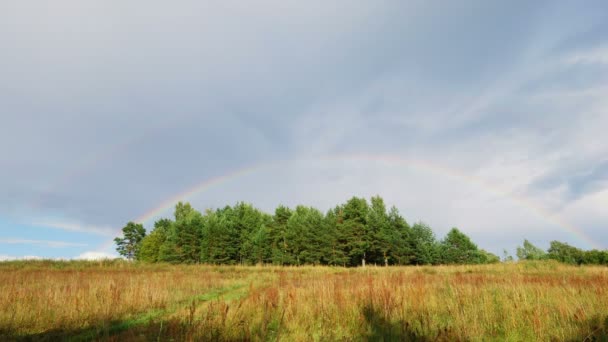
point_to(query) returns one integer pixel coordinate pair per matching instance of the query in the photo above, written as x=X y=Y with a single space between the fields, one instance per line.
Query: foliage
x=426 y=250
x=488 y=258
x=355 y=233
x=530 y=252
x=563 y=252
x=457 y=248
x=128 y=246
x=151 y=244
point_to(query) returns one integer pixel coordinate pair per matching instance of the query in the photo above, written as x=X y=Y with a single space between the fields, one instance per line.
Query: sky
x=486 y=116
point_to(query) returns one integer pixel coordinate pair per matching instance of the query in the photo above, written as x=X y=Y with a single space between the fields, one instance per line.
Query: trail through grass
x=227 y=294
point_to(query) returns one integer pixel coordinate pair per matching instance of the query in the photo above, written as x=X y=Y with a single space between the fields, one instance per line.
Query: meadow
x=118 y=301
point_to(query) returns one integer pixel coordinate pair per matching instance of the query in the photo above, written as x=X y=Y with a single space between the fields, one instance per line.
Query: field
x=117 y=301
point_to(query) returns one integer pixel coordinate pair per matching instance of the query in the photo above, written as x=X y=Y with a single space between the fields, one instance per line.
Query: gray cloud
x=109 y=108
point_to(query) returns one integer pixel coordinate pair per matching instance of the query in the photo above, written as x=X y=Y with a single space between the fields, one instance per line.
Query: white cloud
x=54 y=244
x=77 y=227
x=590 y=209
x=25 y=257
x=92 y=255
x=598 y=55
x=6 y=257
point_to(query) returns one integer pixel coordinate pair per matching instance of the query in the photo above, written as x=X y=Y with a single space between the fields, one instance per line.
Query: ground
x=117 y=301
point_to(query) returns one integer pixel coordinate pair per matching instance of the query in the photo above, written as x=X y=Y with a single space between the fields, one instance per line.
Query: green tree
x=261 y=251
x=305 y=236
x=336 y=237
x=183 y=239
x=151 y=244
x=168 y=251
x=595 y=257
x=277 y=236
x=354 y=228
x=380 y=236
x=221 y=239
x=488 y=258
x=424 y=245
x=565 y=253
x=182 y=211
x=350 y=234
x=530 y=252
x=188 y=235
x=128 y=246
x=400 y=238
x=457 y=248
x=248 y=221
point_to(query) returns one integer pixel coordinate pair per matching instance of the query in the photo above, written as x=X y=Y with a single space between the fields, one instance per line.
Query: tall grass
x=122 y=301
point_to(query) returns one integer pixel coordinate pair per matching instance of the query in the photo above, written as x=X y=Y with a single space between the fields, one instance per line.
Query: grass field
x=116 y=301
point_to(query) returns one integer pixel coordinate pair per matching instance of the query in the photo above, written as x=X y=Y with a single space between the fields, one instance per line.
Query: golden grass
x=122 y=301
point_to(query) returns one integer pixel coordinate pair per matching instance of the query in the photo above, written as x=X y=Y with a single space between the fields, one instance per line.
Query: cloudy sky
x=491 y=117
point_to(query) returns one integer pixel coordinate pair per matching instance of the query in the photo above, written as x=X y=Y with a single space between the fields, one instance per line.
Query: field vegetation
x=119 y=300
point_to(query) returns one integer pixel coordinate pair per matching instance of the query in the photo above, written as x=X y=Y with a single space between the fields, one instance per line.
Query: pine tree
x=336 y=237
x=397 y=239
x=354 y=227
x=182 y=244
x=128 y=246
x=277 y=236
x=424 y=246
x=226 y=237
x=380 y=235
x=457 y=248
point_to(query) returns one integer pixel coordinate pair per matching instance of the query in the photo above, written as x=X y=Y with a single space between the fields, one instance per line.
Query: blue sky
x=109 y=108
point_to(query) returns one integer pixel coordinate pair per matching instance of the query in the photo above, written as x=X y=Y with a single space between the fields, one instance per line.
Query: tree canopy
x=128 y=246
x=530 y=252
x=562 y=252
x=355 y=233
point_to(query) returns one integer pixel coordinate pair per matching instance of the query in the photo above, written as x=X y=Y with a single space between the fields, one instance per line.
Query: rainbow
x=523 y=202
x=92 y=160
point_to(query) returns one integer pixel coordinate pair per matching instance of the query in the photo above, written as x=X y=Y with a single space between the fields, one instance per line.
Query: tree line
x=355 y=233
x=562 y=252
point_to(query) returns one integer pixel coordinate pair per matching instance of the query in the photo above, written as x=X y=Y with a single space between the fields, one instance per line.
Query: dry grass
x=121 y=301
